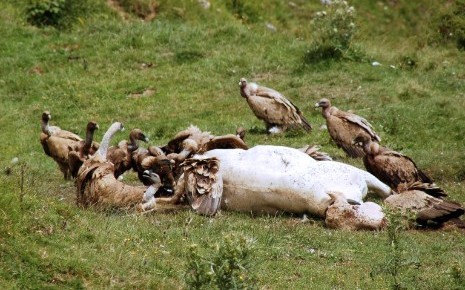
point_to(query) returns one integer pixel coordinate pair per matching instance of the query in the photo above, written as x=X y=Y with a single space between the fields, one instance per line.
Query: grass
x=197 y=57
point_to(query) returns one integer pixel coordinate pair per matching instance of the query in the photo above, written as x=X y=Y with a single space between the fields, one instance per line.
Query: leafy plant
x=452 y=24
x=56 y=13
x=334 y=29
x=228 y=267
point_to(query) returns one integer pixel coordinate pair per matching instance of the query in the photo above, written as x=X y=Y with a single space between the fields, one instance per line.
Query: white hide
x=275 y=179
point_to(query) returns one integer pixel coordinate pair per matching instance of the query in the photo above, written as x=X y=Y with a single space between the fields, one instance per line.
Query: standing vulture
x=393 y=168
x=83 y=149
x=344 y=127
x=57 y=143
x=272 y=107
x=97 y=185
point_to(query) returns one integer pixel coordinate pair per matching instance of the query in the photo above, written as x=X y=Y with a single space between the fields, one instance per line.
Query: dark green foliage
x=243 y=10
x=452 y=24
x=226 y=267
x=56 y=13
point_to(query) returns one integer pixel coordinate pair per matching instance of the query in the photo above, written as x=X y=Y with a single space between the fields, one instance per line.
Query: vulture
x=55 y=130
x=344 y=127
x=121 y=155
x=57 y=143
x=393 y=168
x=272 y=179
x=428 y=210
x=97 y=185
x=204 y=141
x=83 y=149
x=272 y=107
x=154 y=159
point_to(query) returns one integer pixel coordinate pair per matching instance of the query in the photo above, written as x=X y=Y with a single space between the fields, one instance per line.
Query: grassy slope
x=198 y=57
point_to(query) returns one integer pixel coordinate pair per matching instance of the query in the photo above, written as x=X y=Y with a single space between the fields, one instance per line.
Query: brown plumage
x=57 y=143
x=98 y=186
x=343 y=127
x=391 y=167
x=428 y=210
x=83 y=149
x=204 y=141
x=272 y=107
x=314 y=152
x=202 y=183
x=120 y=155
x=154 y=159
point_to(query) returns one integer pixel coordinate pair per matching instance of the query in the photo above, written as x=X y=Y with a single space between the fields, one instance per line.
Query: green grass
x=198 y=57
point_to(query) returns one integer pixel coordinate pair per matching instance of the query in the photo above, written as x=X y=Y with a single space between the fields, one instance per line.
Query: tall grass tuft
x=226 y=267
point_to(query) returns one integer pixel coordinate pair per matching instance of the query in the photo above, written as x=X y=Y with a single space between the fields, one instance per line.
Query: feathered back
x=204 y=184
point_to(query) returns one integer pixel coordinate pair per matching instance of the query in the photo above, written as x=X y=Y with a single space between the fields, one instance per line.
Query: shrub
x=56 y=13
x=452 y=24
x=227 y=267
x=334 y=29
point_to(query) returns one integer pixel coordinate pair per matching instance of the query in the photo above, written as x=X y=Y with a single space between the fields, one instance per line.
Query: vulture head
x=136 y=134
x=246 y=88
x=92 y=126
x=365 y=142
x=189 y=147
x=46 y=116
x=151 y=177
x=323 y=103
x=240 y=132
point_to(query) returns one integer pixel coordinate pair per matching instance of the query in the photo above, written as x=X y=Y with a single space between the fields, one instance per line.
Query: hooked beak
x=317 y=105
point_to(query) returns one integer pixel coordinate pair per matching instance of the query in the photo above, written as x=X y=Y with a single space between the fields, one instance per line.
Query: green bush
x=334 y=29
x=56 y=13
x=452 y=24
x=227 y=267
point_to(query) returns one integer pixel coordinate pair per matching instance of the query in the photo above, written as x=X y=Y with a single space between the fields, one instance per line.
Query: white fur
x=275 y=178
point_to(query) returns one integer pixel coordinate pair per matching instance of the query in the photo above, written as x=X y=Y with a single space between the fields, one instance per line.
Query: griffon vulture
x=272 y=107
x=343 y=127
x=57 y=143
x=391 y=167
x=83 y=149
x=120 y=155
x=428 y=210
x=97 y=185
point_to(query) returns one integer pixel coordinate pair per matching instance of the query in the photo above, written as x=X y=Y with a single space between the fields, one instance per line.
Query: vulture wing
x=228 y=141
x=343 y=134
x=359 y=121
x=204 y=184
x=272 y=107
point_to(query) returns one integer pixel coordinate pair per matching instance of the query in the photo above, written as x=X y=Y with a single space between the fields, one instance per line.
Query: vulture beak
x=317 y=105
x=240 y=83
x=146 y=139
x=97 y=127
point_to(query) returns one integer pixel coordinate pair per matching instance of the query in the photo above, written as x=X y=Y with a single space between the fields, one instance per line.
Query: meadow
x=188 y=60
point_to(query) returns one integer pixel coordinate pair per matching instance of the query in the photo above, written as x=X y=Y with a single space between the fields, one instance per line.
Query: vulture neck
x=248 y=90
x=88 y=141
x=102 y=150
x=45 y=127
x=326 y=111
x=133 y=144
x=371 y=148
